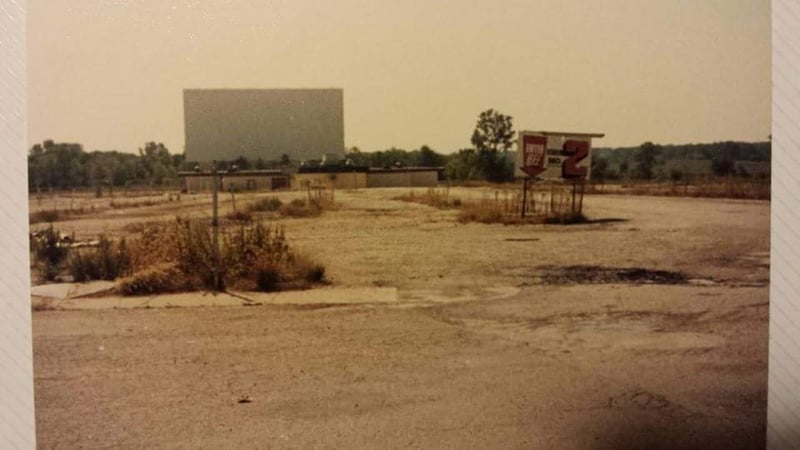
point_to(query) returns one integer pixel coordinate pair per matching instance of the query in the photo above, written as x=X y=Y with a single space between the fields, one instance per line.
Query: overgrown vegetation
x=47 y=252
x=108 y=261
x=179 y=256
x=438 y=198
x=489 y=211
x=506 y=207
x=316 y=201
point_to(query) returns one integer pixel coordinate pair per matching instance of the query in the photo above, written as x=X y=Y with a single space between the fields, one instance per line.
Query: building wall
x=402 y=179
x=197 y=184
x=223 y=124
x=249 y=183
x=344 y=180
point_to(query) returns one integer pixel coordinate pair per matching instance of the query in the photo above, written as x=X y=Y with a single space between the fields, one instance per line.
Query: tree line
x=491 y=158
x=651 y=161
x=62 y=166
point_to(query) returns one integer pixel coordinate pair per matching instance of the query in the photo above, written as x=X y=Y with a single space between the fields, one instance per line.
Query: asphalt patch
x=609 y=275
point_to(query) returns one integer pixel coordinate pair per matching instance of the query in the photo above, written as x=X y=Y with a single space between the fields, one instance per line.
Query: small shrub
x=300 y=208
x=308 y=270
x=267 y=277
x=266 y=204
x=44 y=216
x=161 y=278
x=240 y=215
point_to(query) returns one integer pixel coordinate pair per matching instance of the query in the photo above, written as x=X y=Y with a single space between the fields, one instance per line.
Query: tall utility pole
x=215 y=224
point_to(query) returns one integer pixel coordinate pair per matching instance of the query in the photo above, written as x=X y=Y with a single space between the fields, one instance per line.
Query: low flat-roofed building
x=404 y=177
x=239 y=180
x=336 y=177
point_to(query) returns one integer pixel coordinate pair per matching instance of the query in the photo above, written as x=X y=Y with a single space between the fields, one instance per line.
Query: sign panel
x=554 y=155
x=533 y=154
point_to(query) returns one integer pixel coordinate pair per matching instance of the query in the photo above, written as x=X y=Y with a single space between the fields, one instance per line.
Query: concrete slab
x=327 y=295
x=157 y=301
x=91 y=288
x=68 y=290
x=339 y=296
x=57 y=291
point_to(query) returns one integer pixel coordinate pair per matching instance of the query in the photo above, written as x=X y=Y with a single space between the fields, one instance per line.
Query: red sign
x=533 y=154
x=576 y=151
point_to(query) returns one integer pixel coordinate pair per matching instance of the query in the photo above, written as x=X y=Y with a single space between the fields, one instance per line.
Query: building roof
x=234 y=173
x=405 y=169
x=332 y=169
x=563 y=133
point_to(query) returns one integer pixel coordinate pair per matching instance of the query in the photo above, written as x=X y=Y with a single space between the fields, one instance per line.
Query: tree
x=599 y=168
x=156 y=162
x=356 y=157
x=462 y=165
x=429 y=158
x=722 y=165
x=624 y=167
x=242 y=163
x=645 y=159
x=492 y=138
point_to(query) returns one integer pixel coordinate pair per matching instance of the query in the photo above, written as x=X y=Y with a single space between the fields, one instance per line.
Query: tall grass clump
x=107 y=261
x=557 y=206
x=437 y=198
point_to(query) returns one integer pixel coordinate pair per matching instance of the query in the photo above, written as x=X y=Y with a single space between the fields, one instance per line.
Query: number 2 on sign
x=576 y=151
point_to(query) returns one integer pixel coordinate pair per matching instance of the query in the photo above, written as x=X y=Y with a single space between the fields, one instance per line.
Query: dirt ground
x=451 y=336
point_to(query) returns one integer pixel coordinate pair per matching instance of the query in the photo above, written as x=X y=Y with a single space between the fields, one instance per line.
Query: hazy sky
x=110 y=74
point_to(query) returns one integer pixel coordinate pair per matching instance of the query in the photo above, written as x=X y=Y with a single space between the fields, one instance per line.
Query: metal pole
x=215 y=224
x=524 y=195
x=573 y=198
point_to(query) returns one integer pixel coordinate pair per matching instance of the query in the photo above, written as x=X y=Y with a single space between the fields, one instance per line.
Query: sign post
x=215 y=224
x=557 y=157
